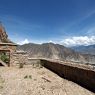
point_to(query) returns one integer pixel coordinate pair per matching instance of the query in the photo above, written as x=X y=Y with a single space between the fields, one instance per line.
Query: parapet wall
x=84 y=77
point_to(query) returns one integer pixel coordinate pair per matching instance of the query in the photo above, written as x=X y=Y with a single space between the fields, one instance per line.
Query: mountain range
x=85 y=49
x=56 y=52
x=83 y=54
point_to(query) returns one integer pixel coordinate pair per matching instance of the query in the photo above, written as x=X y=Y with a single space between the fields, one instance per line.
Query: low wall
x=84 y=77
x=33 y=61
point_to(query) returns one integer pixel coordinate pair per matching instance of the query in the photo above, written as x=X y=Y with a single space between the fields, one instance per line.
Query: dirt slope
x=35 y=81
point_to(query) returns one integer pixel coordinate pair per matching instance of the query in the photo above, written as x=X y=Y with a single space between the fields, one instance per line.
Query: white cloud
x=25 y=41
x=50 y=41
x=81 y=40
x=72 y=41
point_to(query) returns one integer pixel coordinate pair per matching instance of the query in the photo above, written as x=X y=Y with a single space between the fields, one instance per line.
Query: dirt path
x=35 y=81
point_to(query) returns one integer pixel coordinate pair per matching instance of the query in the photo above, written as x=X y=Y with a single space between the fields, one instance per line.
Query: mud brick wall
x=83 y=77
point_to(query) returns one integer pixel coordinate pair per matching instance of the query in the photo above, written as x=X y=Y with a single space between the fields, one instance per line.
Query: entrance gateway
x=6 y=49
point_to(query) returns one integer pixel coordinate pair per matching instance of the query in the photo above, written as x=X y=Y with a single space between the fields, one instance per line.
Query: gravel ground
x=36 y=81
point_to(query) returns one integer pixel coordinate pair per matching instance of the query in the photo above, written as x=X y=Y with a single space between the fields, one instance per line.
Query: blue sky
x=67 y=22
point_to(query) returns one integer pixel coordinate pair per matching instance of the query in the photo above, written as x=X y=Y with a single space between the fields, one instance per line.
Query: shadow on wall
x=83 y=77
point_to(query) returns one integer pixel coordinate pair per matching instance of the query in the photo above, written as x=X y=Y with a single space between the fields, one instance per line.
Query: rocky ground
x=36 y=81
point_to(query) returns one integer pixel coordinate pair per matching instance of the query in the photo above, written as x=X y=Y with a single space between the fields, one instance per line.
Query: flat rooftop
x=10 y=44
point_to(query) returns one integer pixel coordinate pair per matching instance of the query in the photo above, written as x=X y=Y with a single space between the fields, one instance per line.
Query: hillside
x=85 y=49
x=55 y=51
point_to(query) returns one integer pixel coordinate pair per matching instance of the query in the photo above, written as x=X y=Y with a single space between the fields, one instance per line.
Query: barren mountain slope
x=55 y=51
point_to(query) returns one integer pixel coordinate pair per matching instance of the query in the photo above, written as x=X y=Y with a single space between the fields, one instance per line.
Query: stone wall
x=79 y=73
x=84 y=77
x=17 y=58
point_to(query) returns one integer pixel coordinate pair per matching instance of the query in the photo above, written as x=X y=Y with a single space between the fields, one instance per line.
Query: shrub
x=20 y=65
x=28 y=76
x=25 y=77
x=4 y=58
